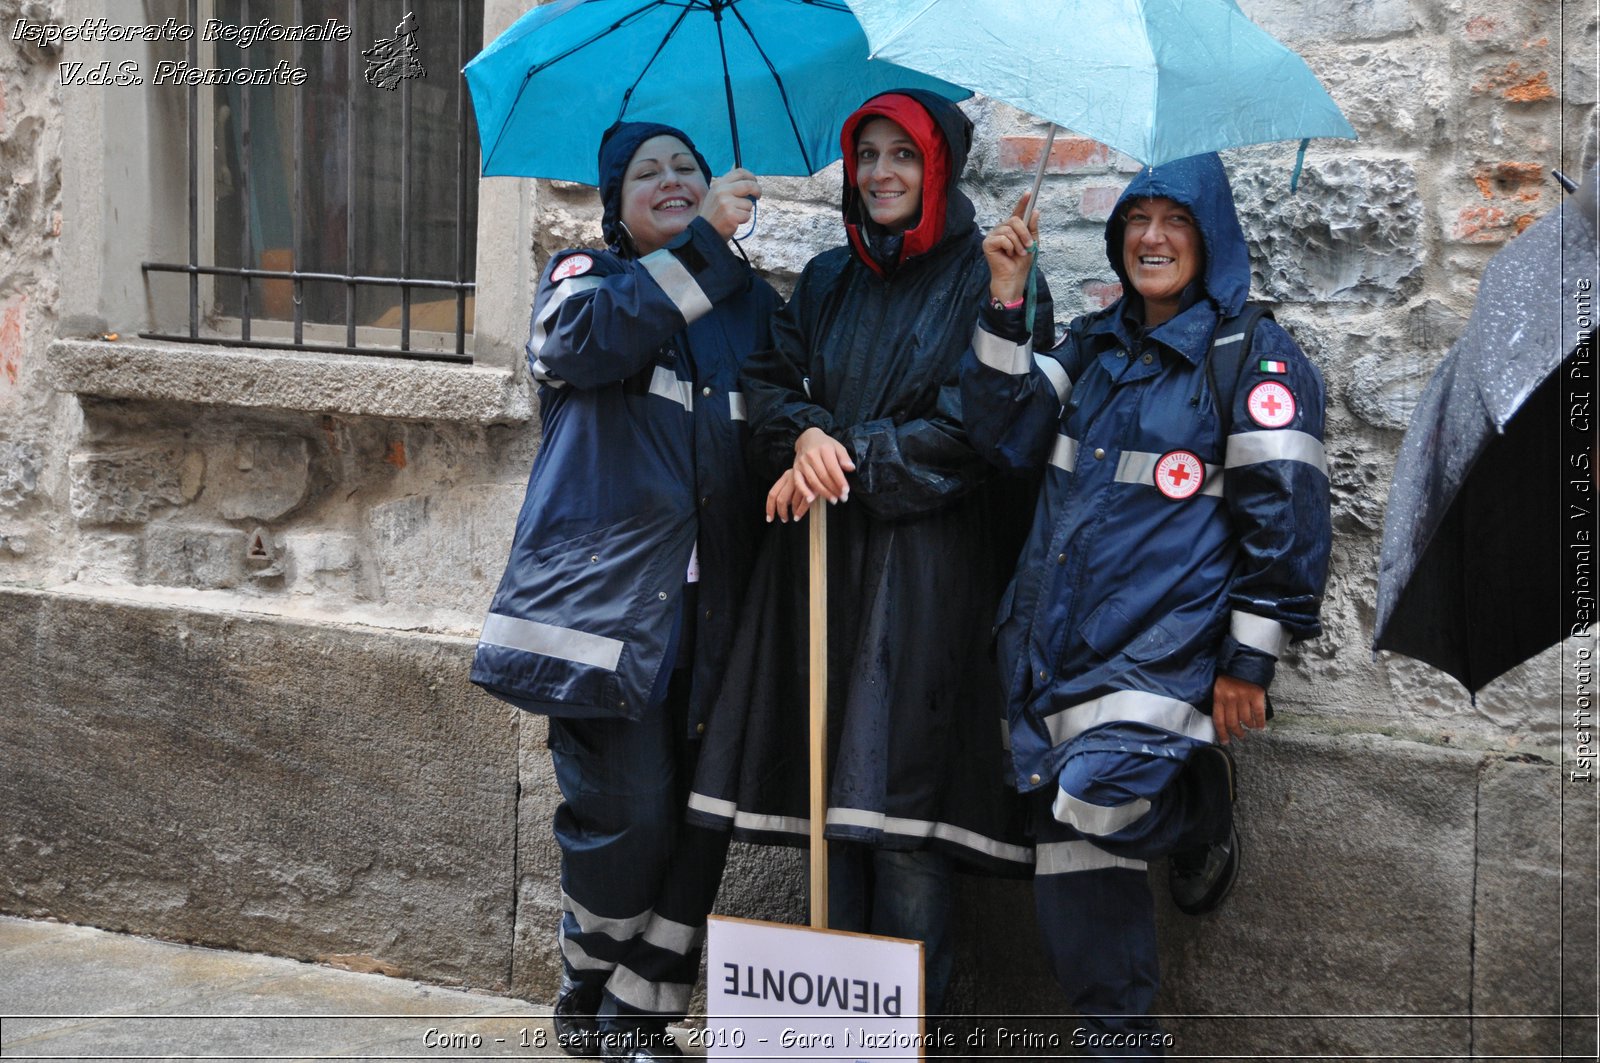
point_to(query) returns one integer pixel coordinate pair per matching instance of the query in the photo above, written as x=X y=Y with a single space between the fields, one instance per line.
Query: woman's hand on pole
x=1008 y=248
x=730 y=201
x=820 y=462
x=785 y=501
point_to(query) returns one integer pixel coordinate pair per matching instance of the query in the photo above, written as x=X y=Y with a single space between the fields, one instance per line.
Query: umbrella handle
x=755 y=209
x=819 y=712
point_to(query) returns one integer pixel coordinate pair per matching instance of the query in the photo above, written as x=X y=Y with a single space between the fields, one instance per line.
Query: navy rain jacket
x=642 y=457
x=1172 y=539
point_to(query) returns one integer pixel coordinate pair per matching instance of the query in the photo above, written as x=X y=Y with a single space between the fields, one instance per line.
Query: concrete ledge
x=314 y=791
x=324 y=791
x=309 y=382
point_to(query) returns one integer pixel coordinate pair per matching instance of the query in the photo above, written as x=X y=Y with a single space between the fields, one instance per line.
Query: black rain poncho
x=867 y=350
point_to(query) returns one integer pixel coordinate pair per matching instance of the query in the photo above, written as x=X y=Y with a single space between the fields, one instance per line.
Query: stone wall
x=238 y=593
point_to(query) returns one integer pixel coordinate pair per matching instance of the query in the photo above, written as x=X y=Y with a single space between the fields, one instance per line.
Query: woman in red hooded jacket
x=858 y=404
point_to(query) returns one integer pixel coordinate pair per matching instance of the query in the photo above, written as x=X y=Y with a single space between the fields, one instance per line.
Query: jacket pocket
x=1110 y=633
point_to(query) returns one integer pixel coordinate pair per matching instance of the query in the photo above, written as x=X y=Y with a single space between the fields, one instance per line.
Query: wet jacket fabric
x=867 y=350
x=642 y=460
x=1178 y=533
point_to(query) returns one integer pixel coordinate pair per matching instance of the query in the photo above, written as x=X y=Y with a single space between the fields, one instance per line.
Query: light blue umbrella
x=766 y=84
x=1156 y=79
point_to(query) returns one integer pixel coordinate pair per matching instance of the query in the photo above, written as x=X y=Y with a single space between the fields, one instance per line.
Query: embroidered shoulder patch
x=1271 y=404
x=572 y=266
x=1180 y=474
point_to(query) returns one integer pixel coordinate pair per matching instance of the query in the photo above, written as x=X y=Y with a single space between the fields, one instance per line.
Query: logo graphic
x=1271 y=405
x=394 y=59
x=572 y=266
x=1180 y=474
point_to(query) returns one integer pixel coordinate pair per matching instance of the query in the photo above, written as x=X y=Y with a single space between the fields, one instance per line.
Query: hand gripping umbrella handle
x=819 y=713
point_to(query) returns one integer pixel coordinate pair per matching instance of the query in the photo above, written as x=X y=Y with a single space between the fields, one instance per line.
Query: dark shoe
x=1201 y=879
x=577 y=1030
x=641 y=1044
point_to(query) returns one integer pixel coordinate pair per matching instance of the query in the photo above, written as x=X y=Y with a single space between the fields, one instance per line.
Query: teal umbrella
x=765 y=84
x=1156 y=79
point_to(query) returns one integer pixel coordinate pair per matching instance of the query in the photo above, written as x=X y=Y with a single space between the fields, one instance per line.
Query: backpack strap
x=1228 y=355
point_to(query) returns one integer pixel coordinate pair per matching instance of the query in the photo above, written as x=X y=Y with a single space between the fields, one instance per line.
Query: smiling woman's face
x=1161 y=252
x=661 y=192
x=889 y=174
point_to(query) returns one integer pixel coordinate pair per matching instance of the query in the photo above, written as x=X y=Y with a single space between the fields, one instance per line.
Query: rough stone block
x=445 y=550
x=1096 y=202
x=1353 y=233
x=20 y=464
x=324 y=563
x=1519 y=914
x=1320 y=20
x=106 y=558
x=125 y=485
x=1355 y=898
x=1385 y=386
x=177 y=555
x=308 y=790
x=267 y=478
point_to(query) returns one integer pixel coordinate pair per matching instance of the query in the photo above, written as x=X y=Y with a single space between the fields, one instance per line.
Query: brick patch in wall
x=1096 y=202
x=1524 y=181
x=1101 y=293
x=1067 y=154
x=1517 y=85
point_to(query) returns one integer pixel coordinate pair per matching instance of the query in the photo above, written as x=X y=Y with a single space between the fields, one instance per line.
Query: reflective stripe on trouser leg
x=636 y=882
x=1133 y=802
x=1097 y=919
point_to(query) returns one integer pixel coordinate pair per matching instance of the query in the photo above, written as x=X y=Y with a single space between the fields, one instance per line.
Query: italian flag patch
x=1269 y=366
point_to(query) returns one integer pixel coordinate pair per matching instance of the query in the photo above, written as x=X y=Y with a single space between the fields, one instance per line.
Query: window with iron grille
x=334 y=210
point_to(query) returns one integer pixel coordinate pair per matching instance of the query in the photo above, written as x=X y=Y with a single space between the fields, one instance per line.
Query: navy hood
x=1199 y=183
x=617 y=146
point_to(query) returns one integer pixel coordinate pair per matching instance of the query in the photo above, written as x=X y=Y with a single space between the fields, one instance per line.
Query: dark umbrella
x=1470 y=578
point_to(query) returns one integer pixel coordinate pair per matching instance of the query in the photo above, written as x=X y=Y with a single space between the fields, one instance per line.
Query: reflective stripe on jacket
x=641 y=460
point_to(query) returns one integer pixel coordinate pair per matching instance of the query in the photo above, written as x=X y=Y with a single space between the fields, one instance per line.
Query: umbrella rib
x=783 y=93
x=581 y=45
x=665 y=37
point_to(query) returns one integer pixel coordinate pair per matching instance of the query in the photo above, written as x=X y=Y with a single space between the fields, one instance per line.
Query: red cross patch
x=1179 y=474
x=572 y=266
x=1271 y=405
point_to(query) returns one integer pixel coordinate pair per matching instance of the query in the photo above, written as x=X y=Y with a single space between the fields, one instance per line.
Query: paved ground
x=70 y=992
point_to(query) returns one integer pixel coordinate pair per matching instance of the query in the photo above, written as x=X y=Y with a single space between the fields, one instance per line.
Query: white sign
x=775 y=991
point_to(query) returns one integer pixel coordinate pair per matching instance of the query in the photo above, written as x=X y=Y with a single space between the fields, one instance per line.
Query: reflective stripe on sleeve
x=1131 y=706
x=1139 y=467
x=1258 y=632
x=736 y=406
x=1223 y=341
x=1248 y=448
x=665 y=384
x=1063 y=858
x=1096 y=819
x=678 y=283
x=1056 y=374
x=548 y=640
x=1065 y=454
x=1001 y=354
x=541 y=325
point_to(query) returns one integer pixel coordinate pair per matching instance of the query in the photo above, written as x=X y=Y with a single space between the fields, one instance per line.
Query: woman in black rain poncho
x=858 y=403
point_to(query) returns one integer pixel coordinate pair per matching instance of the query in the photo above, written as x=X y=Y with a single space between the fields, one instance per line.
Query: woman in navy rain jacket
x=1180 y=542
x=859 y=392
x=630 y=555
